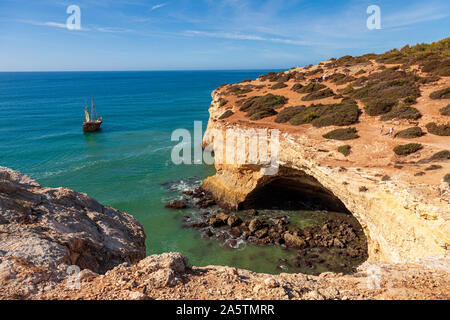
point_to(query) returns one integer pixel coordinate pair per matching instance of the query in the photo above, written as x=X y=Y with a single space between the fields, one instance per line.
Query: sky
x=207 y=34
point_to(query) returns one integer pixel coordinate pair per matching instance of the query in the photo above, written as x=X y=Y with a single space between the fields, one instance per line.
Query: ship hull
x=92 y=126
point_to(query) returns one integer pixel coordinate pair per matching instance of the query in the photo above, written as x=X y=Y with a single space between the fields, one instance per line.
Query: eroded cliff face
x=402 y=220
x=43 y=231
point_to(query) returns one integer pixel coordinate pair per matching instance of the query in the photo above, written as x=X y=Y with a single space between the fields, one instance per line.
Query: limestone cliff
x=403 y=218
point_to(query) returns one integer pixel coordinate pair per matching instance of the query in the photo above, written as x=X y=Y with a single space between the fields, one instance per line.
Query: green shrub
x=437 y=67
x=385 y=89
x=342 y=134
x=406 y=149
x=433 y=167
x=379 y=106
x=402 y=112
x=297 y=87
x=263 y=114
x=226 y=114
x=287 y=113
x=311 y=87
x=237 y=90
x=262 y=106
x=336 y=77
x=325 y=93
x=441 y=155
x=441 y=94
x=222 y=102
x=321 y=115
x=439 y=130
x=313 y=72
x=447 y=178
x=360 y=72
x=279 y=85
x=445 y=111
x=382 y=67
x=410 y=133
x=345 y=150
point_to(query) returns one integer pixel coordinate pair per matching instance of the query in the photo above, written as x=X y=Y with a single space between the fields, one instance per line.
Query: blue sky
x=206 y=34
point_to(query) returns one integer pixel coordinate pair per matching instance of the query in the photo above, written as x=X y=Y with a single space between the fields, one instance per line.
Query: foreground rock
x=167 y=276
x=48 y=230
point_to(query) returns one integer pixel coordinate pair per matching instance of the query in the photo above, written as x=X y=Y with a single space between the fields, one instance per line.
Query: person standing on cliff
x=391 y=132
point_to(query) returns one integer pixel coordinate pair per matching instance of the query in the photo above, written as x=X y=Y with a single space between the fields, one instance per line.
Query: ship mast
x=94 y=114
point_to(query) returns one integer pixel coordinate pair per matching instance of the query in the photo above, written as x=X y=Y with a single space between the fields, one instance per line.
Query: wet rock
x=223 y=217
x=255 y=225
x=261 y=233
x=216 y=222
x=235 y=232
x=199 y=225
x=208 y=233
x=234 y=220
x=176 y=205
x=293 y=240
x=188 y=192
x=252 y=212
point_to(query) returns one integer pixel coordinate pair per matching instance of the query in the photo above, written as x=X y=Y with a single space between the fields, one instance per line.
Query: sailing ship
x=91 y=122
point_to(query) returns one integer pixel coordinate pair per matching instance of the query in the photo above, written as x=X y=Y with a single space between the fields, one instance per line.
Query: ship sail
x=86 y=115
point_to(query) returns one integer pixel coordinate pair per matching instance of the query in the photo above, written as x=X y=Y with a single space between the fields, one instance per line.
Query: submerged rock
x=176 y=205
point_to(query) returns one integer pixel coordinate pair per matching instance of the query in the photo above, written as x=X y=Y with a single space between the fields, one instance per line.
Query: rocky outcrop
x=167 y=276
x=51 y=229
x=402 y=220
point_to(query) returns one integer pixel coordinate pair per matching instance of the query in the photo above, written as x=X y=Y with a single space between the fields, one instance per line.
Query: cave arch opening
x=320 y=226
x=293 y=189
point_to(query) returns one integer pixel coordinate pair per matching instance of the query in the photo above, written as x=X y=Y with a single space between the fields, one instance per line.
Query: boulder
x=176 y=205
x=52 y=227
x=234 y=220
x=293 y=240
x=255 y=225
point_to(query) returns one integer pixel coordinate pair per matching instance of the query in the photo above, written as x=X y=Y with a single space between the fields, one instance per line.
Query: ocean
x=127 y=165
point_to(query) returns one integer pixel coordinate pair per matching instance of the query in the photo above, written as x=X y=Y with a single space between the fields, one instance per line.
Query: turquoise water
x=127 y=165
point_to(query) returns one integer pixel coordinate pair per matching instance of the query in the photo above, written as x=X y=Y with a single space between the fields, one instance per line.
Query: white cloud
x=239 y=36
x=157 y=6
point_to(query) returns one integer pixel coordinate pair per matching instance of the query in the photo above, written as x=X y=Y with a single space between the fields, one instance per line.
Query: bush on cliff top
x=439 y=130
x=286 y=114
x=385 y=89
x=406 y=149
x=445 y=111
x=311 y=87
x=226 y=114
x=447 y=178
x=439 y=67
x=342 y=134
x=278 y=85
x=402 y=112
x=441 y=155
x=263 y=106
x=325 y=93
x=237 y=90
x=410 y=133
x=345 y=150
x=321 y=115
x=441 y=94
